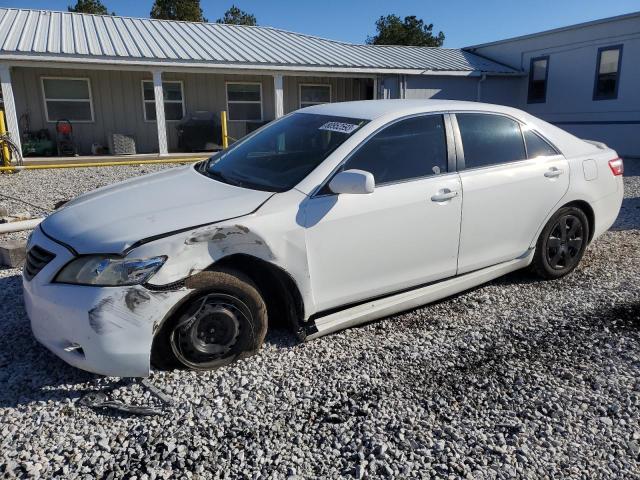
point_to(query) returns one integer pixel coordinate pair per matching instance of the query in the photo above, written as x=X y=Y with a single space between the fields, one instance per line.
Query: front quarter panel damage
x=130 y=308
x=271 y=234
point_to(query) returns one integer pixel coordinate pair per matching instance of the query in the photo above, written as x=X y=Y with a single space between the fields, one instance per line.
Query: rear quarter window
x=536 y=145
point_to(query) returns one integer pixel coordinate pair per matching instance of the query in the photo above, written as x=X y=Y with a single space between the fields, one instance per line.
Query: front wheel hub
x=215 y=330
x=211 y=331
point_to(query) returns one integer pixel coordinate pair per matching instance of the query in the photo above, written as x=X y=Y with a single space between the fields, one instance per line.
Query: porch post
x=10 y=105
x=278 y=87
x=160 y=118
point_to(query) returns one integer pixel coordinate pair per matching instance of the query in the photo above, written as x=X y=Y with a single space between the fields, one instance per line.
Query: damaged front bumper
x=105 y=330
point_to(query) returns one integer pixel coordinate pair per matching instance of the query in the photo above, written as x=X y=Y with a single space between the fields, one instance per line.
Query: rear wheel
x=562 y=243
x=226 y=320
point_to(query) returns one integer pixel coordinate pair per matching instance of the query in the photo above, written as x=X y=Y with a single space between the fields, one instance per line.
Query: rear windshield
x=283 y=153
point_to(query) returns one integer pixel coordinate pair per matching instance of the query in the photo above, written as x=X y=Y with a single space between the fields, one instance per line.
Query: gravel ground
x=518 y=378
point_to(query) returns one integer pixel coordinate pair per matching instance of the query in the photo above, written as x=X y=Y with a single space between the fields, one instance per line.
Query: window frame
x=226 y=91
x=613 y=96
x=144 y=101
x=546 y=79
x=460 y=160
x=322 y=189
x=78 y=100
x=310 y=104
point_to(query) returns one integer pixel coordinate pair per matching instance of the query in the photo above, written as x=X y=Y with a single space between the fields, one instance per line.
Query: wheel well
x=278 y=289
x=588 y=211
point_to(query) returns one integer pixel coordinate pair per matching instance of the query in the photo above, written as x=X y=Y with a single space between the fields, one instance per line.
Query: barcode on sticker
x=339 y=127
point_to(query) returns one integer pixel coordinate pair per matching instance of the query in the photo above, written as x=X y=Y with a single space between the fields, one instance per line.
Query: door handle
x=553 y=172
x=444 y=195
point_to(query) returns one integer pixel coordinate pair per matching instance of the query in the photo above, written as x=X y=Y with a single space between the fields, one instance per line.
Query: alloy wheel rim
x=565 y=242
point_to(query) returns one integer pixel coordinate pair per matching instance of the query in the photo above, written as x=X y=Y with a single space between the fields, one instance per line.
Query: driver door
x=402 y=235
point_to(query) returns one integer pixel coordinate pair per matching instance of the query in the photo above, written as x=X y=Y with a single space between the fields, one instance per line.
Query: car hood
x=113 y=218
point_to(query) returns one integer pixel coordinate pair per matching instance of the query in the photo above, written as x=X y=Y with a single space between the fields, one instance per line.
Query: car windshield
x=280 y=155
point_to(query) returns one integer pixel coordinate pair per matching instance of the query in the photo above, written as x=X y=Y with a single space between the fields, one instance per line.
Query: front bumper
x=105 y=330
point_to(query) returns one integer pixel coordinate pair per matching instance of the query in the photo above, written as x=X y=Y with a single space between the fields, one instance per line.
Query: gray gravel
x=516 y=379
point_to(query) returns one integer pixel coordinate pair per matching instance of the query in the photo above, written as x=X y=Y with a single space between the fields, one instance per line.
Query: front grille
x=37 y=259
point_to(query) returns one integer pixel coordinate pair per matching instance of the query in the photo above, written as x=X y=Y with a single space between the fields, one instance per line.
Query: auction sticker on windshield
x=339 y=127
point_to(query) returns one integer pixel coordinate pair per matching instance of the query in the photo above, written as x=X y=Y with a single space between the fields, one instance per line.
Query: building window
x=173 y=101
x=607 y=73
x=67 y=99
x=244 y=102
x=314 y=94
x=538 y=75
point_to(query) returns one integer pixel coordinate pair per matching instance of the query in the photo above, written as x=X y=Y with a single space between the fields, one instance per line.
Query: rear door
x=511 y=178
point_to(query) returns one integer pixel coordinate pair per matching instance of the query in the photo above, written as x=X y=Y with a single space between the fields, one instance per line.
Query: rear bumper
x=607 y=209
x=105 y=330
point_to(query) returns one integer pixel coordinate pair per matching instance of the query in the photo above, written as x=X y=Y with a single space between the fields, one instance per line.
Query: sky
x=464 y=22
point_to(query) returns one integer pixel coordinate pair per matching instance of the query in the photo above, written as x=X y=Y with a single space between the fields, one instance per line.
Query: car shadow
x=29 y=373
x=629 y=217
x=506 y=351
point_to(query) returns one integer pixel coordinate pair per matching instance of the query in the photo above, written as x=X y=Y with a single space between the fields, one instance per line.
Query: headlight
x=109 y=271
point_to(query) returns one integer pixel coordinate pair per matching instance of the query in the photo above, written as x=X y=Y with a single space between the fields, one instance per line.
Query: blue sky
x=464 y=22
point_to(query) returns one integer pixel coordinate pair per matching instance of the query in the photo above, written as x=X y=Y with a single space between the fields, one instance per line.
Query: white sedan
x=329 y=217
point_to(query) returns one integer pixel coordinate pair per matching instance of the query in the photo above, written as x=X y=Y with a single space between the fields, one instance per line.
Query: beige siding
x=342 y=89
x=118 y=106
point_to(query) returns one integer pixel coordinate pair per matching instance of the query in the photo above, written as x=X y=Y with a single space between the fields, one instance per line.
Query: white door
x=509 y=186
x=404 y=234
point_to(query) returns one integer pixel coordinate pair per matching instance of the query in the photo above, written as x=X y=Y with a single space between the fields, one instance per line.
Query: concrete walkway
x=114 y=158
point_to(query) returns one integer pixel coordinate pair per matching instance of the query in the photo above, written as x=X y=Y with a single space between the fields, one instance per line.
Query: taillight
x=617 y=166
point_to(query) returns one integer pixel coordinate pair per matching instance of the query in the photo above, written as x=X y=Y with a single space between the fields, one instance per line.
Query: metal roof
x=63 y=36
x=576 y=26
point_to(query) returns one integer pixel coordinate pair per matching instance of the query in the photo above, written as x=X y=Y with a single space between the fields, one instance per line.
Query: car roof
x=371 y=109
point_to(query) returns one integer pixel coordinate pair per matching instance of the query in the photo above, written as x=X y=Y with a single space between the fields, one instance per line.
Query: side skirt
x=408 y=300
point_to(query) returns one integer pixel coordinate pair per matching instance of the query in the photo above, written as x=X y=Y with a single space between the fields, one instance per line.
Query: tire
x=223 y=321
x=561 y=244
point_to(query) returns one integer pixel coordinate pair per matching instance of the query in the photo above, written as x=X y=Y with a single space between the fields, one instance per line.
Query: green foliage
x=392 y=30
x=236 y=16
x=187 y=10
x=89 y=6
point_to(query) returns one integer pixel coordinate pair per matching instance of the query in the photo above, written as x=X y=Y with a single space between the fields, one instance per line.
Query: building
x=110 y=74
x=584 y=78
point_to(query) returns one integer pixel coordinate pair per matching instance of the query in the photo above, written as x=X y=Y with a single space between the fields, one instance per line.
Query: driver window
x=408 y=149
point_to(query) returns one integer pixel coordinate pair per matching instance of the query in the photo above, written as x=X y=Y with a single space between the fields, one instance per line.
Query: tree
x=412 y=31
x=187 y=10
x=236 y=16
x=89 y=6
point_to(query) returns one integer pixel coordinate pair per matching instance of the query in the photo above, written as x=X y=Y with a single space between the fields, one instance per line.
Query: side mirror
x=352 y=181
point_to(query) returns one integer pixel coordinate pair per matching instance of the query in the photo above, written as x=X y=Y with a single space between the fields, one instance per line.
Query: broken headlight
x=108 y=271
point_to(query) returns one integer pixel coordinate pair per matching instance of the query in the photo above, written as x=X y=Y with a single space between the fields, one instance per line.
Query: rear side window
x=490 y=139
x=536 y=146
x=408 y=149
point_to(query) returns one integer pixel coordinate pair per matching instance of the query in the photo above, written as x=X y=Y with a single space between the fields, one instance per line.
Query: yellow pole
x=6 y=157
x=97 y=164
x=225 y=133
